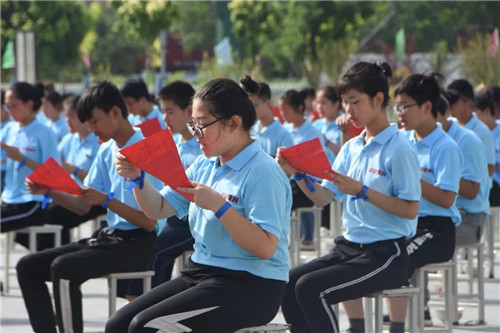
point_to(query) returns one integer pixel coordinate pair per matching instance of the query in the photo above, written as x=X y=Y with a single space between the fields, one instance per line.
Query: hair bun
x=248 y=85
x=384 y=67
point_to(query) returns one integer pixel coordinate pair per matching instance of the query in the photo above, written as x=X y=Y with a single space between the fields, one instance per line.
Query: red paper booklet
x=53 y=176
x=150 y=127
x=158 y=156
x=309 y=157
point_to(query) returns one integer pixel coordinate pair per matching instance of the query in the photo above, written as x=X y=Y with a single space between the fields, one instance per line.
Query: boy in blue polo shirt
x=472 y=200
x=440 y=160
x=78 y=150
x=269 y=131
x=136 y=95
x=126 y=244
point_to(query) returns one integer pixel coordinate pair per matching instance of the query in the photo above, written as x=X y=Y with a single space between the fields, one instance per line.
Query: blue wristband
x=327 y=143
x=110 y=196
x=22 y=163
x=222 y=210
x=137 y=181
x=308 y=179
x=362 y=194
x=46 y=199
x=77 y=170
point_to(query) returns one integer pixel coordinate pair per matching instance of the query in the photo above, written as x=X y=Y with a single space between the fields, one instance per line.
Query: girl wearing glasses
x=440 y=160
x=377 y=177
x=26 y=144
x=240 y=221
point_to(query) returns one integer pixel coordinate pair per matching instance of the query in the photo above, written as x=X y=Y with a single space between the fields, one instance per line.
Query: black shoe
x=386 y=319
x=427 y=318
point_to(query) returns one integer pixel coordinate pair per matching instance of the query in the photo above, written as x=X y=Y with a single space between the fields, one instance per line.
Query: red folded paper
x=308 y=157
x=158 y=156
x=150 y=127
x=53 y=176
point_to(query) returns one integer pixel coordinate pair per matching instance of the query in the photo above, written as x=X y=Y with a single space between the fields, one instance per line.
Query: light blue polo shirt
x=80 y=153
x=188 y=150
x=484 y=133
x=389 y=165
x=103 y=177
x=35 y=141
x=440 y=160
x=306 y=132
x=496 y=134
x=273 y=136
x=259 y=190
x=475 y=168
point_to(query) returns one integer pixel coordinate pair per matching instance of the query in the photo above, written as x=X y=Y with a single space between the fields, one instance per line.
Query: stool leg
x=379 y=313
x=490 y=236
x=32 y=241
x=317 y=231
x=112 y=295
x=146 y=284
x=8 y=243
x=480 y=285
x=368 y=314
x=57 y=238
x=448 y=288
x=412 y=311
x=419 y=282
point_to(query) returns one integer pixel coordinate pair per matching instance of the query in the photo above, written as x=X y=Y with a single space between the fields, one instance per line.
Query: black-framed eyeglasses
x=197 y=130
x=402 y=109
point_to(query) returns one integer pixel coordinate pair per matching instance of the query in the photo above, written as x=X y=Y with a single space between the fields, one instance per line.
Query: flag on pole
x=86 y=58
x=223 y=52
x=8 y=56
x=494 y=43
x=400 y=45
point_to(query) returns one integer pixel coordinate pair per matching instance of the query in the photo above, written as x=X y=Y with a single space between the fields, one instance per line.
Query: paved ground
x=95 y=303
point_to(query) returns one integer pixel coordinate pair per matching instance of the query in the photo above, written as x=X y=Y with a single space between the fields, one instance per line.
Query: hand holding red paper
x=158 y=156
x=52 y=175
x=308 y=157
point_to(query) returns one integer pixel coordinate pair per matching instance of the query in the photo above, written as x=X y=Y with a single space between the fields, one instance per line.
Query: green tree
x=106 y=45
x=59 y=27
x=479 y=66
x=304 y=44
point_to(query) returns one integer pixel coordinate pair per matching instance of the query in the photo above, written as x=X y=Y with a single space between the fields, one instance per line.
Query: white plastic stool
x=113 y=277
x=475 y=273
x=489 y=234
x=32 y=232
x=411 y=292
x=180 y=261
x=446 y=269
x=275 y=328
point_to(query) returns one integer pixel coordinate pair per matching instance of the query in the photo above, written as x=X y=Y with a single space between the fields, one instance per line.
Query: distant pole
x=163 y=71
x=25 y=56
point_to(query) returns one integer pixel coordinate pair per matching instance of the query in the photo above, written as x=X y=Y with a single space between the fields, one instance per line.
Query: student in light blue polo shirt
x=52 y=108
x=240 y=219
x=292 y=108
x=78 y=150
x=26 y=144
x=125 y=244
x=136 y=95
x=376 y=175
x=462 y=109
x=440 y=160
x=472 y=201
x=175 y=237
x=269 y=131
x=329 y=107
x=485 y=111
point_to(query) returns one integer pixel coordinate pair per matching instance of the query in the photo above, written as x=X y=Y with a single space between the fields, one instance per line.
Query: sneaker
x=386 y=319
x=427 y=318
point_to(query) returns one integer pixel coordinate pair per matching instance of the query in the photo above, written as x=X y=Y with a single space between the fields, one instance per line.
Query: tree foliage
x=59 y=27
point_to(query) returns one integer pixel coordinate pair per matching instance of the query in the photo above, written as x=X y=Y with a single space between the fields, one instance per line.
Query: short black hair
x=105 y=95
x=180 y=92
x=463 y=88
x=421 y=88
x=135 y=88
x=484 y=102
